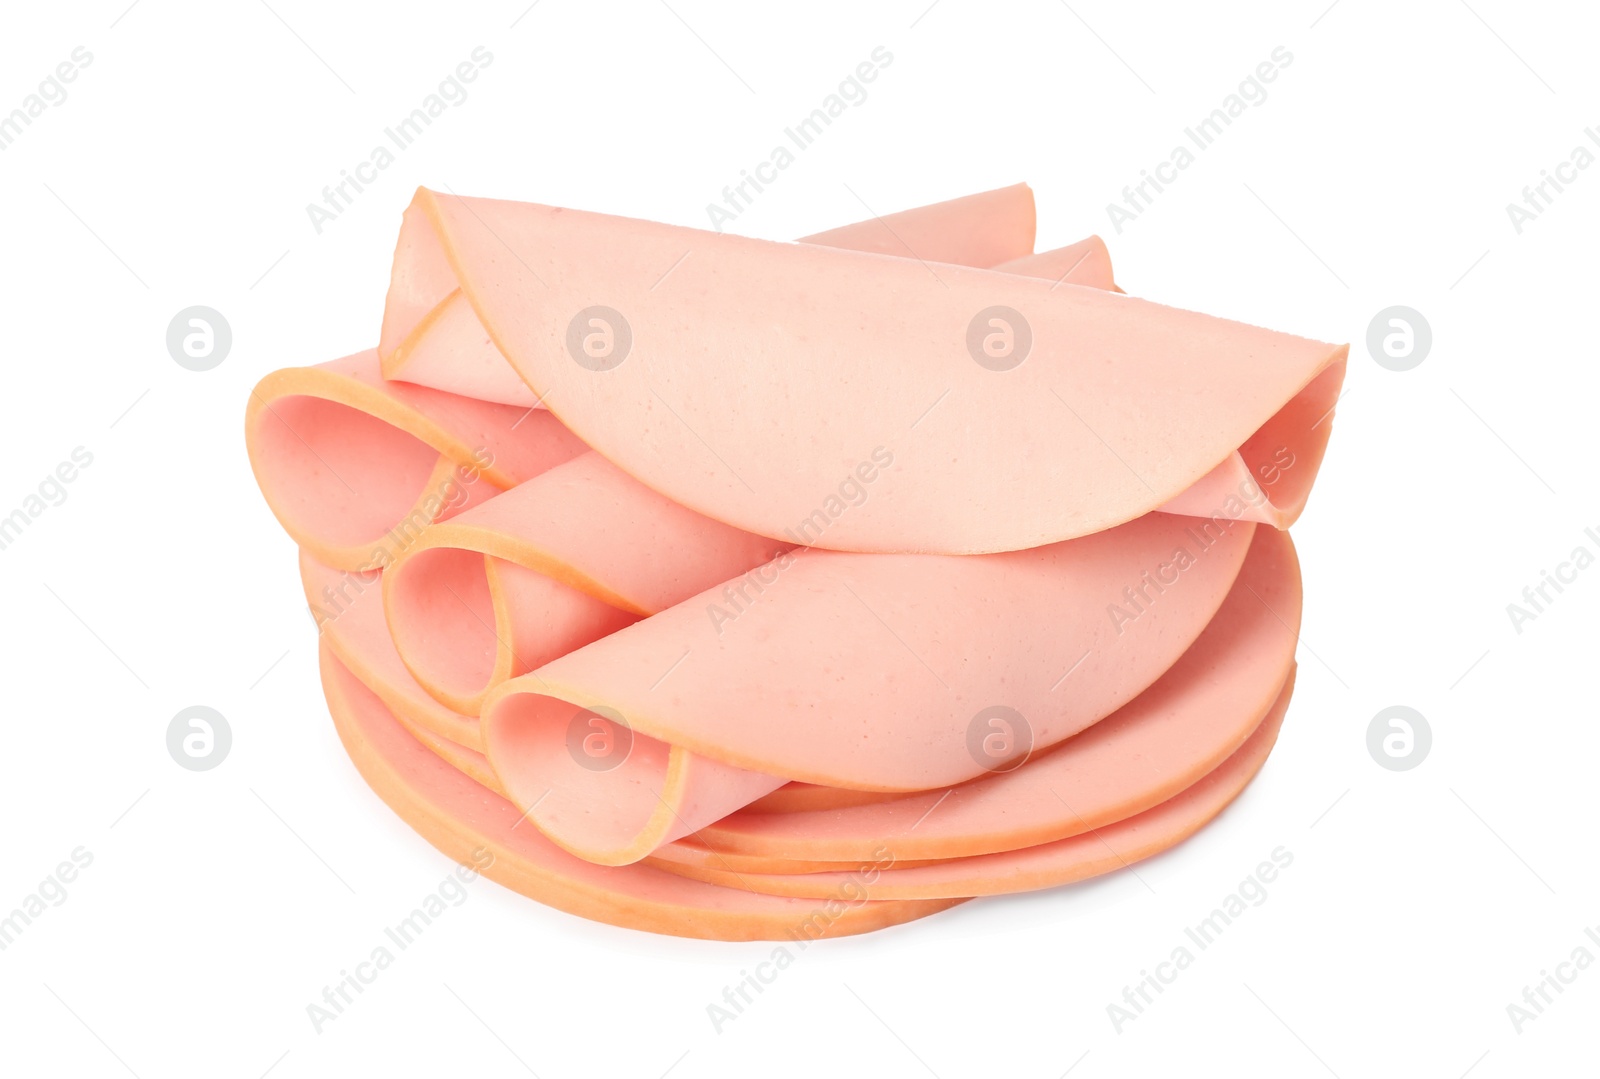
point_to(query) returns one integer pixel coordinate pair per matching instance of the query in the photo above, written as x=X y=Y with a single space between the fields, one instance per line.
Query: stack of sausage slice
x=751 y=590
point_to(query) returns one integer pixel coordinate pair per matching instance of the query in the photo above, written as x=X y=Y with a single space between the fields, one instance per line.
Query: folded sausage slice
x=985 y=229
x=562 y=560
x=627 y=818
x=1086 y=262
x=472 y=825
x=883 y=672
x=1096 y=407
x=1181 y=727
x=354 y=467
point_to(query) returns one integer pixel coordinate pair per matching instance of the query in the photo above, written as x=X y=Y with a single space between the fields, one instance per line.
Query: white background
x=1377 y=172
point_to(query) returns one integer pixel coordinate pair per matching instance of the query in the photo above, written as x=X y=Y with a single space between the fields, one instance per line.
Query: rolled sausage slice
x=355 y=467
x=477 y=828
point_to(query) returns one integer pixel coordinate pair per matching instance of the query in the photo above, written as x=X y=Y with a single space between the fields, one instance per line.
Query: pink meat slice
x=985 y=229
x=1162 y=741
x=573 y=538
x=1159 y=743
x=443 y=806
x=1086 y=262
x=627 y=823
x=562 y=560
x=623 y=827
x=491 y=600
x=568 y=558
x=475 y=827
x=1116 y=842
x=572 y=548
x=449 y=349
x=629 y=820
x=1104 y=850
x=565 y=555
x=571 y=566
x=1117 y=406
x=1267 y=479
x=354 y=467
x=432 y=336
x=875 y=671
